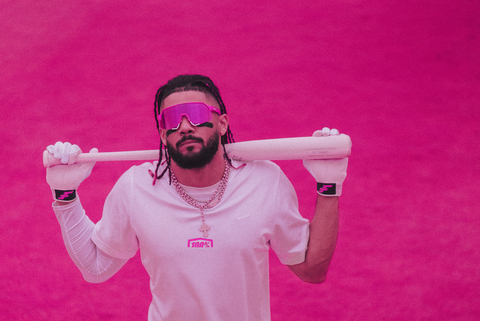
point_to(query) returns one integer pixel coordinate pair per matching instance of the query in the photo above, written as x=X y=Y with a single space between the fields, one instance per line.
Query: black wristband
x=65 y=196
x=327 y=189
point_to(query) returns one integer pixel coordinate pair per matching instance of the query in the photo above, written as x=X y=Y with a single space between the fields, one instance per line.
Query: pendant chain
x=200 y=204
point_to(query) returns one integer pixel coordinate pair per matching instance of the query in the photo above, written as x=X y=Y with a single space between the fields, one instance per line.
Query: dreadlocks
x=186 y=83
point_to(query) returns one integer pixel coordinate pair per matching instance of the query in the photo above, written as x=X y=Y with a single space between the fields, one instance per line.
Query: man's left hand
x=329 y=173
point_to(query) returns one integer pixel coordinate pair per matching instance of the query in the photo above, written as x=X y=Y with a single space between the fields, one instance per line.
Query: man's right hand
x=65 y=179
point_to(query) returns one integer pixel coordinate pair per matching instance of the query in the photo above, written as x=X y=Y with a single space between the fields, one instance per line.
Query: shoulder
x=261 y=170
x=138 y=180
x=256 y=165
x=139 y=174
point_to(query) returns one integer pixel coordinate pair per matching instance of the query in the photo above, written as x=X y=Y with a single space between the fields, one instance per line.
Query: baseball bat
x=326 y=147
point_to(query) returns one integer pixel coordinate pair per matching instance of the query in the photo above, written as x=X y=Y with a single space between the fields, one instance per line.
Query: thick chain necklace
x=200 y=204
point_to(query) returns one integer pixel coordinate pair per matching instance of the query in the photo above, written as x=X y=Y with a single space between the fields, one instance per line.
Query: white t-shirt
x=220 y=277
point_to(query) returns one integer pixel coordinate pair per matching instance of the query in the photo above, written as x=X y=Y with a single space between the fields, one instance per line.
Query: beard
x=195 y=160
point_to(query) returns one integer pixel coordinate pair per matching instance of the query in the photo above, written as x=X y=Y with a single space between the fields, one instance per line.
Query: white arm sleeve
x=96 y=266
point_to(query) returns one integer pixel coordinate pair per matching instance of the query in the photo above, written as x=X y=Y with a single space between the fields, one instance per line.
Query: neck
x=201 y=177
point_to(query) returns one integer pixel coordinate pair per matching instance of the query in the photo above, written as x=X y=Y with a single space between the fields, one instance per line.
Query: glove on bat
x=329 y=173
x=65 y=179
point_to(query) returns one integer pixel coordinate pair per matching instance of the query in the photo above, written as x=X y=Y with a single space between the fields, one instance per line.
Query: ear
x=223 y=124
x=163 y=136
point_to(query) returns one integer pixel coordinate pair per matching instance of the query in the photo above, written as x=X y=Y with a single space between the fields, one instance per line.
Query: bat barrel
x=292 y=148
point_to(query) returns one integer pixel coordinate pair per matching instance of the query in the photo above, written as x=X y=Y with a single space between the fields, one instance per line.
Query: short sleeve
x=291 y=231
x=114 y=233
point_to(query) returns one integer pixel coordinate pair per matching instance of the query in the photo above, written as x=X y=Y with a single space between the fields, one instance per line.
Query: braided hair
x=186 y=83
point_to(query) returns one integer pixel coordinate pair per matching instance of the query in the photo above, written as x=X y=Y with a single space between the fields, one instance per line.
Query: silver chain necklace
x=202 y=205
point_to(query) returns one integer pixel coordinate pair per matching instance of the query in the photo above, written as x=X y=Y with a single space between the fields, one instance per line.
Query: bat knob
x=49 y=160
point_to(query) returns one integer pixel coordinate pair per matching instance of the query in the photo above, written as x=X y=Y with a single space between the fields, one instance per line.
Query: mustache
x=190 y=137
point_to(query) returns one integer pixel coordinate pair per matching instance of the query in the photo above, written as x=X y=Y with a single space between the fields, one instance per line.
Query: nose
x=185 y=126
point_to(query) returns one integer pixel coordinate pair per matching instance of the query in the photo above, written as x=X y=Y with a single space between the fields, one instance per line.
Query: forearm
x=322 y=241
x=95 y=265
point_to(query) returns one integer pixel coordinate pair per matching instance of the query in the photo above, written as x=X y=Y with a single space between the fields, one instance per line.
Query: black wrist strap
x=327 y=189
x=68 y=195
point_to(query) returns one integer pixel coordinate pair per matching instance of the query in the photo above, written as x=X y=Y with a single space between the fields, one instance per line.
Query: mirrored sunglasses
x=196 y=113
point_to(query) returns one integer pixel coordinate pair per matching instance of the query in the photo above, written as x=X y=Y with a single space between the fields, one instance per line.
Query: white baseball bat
x=327 y=147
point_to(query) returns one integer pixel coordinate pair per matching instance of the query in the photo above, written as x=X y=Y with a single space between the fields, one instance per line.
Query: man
x=204 y=230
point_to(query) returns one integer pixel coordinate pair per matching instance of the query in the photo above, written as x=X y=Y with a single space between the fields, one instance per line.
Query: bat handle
x=49 y=160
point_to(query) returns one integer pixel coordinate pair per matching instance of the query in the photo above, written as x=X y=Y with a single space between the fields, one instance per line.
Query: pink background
x=400 y=77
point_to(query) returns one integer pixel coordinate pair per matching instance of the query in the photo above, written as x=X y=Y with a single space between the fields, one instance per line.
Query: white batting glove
x=329 y=173
x=65 y=179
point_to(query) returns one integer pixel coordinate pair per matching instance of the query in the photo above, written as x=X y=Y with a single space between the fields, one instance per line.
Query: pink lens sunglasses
x=196 y=113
